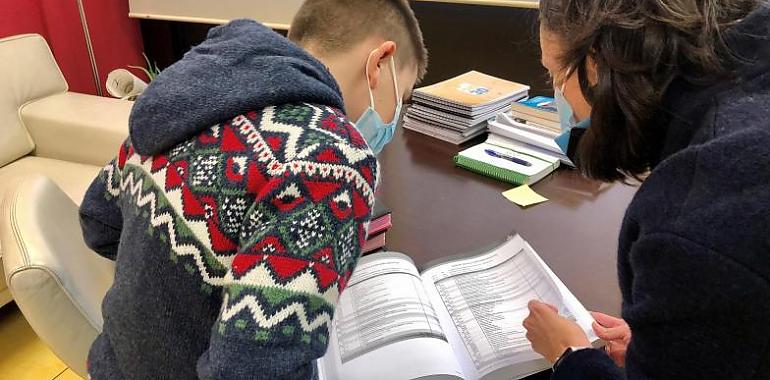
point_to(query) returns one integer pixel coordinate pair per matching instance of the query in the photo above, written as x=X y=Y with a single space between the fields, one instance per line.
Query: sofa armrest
x=57 y=282
x=77 y=127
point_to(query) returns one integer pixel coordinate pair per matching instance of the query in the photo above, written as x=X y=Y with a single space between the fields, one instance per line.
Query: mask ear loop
x=368 y=82
x=566 y=78
x=395 y=80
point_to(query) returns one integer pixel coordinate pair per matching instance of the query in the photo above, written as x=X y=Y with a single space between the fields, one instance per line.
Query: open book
x=461 y=319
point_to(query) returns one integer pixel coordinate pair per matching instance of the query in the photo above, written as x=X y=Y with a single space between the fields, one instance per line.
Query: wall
x=116 y=39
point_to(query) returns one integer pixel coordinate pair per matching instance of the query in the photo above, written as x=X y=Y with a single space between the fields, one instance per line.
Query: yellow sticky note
x=524 y=196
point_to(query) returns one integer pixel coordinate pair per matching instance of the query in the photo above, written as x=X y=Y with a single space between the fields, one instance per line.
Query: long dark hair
x=638 y=48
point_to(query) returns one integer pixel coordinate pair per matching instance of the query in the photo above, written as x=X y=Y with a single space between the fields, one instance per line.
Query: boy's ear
x=379 y=59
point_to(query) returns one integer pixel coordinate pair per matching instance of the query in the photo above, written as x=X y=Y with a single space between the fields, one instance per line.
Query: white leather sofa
x=58 y=283
x=46 y=130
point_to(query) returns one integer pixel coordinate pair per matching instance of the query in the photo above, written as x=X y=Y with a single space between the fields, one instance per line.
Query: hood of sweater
x=242 y=66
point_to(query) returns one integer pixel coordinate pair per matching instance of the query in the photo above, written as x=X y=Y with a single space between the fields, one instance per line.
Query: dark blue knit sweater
x=694 y=254
x=235 y=213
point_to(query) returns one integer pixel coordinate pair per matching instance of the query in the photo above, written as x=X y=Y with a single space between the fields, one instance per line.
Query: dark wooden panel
x=500 y=41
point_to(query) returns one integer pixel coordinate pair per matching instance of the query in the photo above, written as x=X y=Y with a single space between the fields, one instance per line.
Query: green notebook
x=520 y=166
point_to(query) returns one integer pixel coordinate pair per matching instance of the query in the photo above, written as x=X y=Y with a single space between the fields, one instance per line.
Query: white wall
x=275 y=13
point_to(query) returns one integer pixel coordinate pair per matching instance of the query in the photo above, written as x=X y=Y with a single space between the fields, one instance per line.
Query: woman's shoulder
x=716 y=194
x=743 y=110
x=725 y=158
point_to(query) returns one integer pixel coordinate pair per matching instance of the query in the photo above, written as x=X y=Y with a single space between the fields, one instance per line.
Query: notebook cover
x=474 y=89
x=374 y=243
x=491 y=170
x=476 y=160
x=380 y=224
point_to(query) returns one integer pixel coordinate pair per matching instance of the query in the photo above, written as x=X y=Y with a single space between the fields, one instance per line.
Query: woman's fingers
x=611 y=333
x=607 y=320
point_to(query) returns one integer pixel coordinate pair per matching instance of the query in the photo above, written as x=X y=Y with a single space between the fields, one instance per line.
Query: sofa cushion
x=72 y=178
x=28 y=72
x=62 y=123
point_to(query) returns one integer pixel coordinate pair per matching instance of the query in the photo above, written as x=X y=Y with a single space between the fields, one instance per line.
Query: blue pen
x=507 y=157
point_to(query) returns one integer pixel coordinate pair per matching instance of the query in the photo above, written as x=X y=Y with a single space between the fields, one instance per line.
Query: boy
x=237 y=208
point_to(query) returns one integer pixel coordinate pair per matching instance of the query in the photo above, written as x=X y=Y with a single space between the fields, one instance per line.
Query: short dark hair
x=335 y=25
x=638 y=48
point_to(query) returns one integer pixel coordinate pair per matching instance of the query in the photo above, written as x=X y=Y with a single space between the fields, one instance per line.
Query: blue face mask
x=571 y=130
x=376 y=132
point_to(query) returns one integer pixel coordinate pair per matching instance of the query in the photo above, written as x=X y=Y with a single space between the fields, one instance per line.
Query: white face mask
x=376 y=132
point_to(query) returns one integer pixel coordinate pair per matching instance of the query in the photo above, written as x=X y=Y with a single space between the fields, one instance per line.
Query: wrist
x=576 y=344
x=560 y=351
x=568 y=350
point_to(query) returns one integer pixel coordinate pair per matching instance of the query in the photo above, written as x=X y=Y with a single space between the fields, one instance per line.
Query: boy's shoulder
x=306 y=126
x=316 y=140
x=285 y=133
x=305 y=134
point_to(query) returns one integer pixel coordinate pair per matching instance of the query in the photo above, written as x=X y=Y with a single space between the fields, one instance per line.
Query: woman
x=675 y=93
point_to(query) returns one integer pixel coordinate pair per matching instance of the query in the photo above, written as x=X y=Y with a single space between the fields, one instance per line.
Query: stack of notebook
x=532 y=124
x=380 y=224
x=458 y=109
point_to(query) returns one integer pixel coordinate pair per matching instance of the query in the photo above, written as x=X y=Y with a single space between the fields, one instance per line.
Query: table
x=440 y=210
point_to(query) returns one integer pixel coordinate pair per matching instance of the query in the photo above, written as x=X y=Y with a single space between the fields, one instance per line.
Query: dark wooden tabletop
x=440 y=210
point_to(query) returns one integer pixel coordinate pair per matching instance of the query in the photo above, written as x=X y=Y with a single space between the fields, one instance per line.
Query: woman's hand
x=550 y=333
x=616 y=333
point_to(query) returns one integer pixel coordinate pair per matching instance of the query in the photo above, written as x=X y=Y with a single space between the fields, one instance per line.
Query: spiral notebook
x=520 y=166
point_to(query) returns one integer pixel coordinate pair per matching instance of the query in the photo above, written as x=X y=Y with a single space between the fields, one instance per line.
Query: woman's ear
x=591 y=71
x=377 y=60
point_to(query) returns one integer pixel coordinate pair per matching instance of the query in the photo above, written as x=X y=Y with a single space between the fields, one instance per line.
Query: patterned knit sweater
x=232 y=246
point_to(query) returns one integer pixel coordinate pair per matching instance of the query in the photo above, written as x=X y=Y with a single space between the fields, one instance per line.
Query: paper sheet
x=481 y=302
x=524 y=196
x=385 y=327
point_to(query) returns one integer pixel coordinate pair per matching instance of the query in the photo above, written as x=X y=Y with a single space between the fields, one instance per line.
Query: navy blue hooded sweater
x=694 y=253
x=235 y=213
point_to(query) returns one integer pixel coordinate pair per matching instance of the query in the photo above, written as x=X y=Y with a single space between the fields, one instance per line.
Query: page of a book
x=446 y=118
x=444 y=134
x=524 y=136
x=529 y=119
x=508 y=120
x=505 y=142
x=386 y=328
x=481 y=303
x=454 y=110
x=443 y=123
